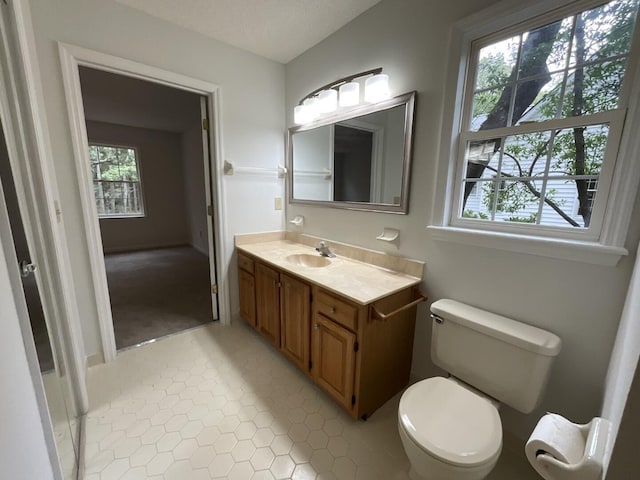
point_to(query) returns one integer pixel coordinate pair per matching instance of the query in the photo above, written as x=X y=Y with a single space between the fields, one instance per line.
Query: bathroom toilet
x=450 y=427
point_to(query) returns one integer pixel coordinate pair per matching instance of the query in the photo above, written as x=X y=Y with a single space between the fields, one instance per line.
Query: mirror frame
x=407 y=99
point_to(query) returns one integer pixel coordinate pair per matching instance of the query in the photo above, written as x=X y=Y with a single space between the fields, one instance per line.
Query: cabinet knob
x=332 y=309
x=315 y=325
x=277 y=284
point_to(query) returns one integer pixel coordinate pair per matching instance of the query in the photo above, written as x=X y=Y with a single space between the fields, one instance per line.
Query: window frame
x=618 y=179
x=143 y=212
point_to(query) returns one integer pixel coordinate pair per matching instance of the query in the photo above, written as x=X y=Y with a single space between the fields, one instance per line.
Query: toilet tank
x=503 y=358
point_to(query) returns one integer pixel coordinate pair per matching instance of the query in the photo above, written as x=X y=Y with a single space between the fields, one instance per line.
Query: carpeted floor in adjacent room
x=157 y=292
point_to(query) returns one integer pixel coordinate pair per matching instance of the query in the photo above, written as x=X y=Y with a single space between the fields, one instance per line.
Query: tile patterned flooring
x=219 y=402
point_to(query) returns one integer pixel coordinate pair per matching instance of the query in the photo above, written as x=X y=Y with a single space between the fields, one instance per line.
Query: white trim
x=624 y=179
x=207 y=182
x=626 y=175
x=71 y=58
x=587 y=252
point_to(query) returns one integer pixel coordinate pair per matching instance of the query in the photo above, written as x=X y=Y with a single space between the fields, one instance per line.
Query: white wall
x=165 y=221
x=252 y=97
x=194 y=187
x=626 y=352
x=579 y=302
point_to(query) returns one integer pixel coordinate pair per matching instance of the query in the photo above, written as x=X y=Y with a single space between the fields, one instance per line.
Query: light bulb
x=349 y=94
x=376 y=88
x=312 y=107
x=300 y=115
x=327 y=101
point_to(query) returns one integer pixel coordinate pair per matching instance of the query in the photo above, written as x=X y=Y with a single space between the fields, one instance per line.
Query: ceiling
x=276 y=29
x=123 y=100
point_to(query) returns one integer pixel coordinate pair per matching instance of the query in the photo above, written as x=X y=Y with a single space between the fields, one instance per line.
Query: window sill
x=586 y=252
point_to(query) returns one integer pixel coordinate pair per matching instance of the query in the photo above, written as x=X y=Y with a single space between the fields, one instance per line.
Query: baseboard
x=204 y=251
x=134 y=248
x=95 y=359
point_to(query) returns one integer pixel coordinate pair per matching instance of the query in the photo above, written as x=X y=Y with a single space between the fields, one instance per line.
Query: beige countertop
x=361 y=282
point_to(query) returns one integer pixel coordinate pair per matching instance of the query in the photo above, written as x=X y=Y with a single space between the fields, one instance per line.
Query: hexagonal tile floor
x=219 y=402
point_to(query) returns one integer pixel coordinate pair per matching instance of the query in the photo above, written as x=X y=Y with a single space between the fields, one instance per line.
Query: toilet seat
x=451 y=423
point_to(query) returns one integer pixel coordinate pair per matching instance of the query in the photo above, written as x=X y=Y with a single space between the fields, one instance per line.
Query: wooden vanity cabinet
x=334 y=358
x=268 y=303
x=284 y=312
x=359 y=354
x=247 y=289
x=295 y=304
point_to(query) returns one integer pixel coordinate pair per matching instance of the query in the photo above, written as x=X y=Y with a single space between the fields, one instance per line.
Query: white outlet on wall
x=277 y=204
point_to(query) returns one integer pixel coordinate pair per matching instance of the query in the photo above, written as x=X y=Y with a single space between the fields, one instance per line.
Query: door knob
x=27 y=268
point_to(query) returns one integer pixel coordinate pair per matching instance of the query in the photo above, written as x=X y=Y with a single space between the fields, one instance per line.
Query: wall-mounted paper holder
x=389 y=235
x=298 y=221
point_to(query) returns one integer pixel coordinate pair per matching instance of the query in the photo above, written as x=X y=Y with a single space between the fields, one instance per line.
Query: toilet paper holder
x=596 y=435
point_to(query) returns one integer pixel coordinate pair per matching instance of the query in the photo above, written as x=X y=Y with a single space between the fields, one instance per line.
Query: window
x=543 y=109
x=116 y=181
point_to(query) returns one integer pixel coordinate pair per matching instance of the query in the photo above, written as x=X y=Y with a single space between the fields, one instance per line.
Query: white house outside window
x=544 y=108
x=116 y=181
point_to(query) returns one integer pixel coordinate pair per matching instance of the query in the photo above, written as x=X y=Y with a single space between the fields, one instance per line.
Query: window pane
x=486 y=103
x=545 y=46
x=604 y=31
x=545 y=104
x=482 y=158
x=566 y=207
x=495 y=63
x=579 y=151
x=477 y=202
x=594 y=88
x=526 y=155
x=516 y=201
x=116 y=181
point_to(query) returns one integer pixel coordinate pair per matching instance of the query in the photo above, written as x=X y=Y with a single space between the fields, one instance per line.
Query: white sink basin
x=307 y=260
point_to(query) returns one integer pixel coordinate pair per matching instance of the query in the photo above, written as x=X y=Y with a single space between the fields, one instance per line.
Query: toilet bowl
x=448 y=431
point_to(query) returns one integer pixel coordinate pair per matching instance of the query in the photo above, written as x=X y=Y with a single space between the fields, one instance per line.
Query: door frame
x=72 y=57
x=30 y=155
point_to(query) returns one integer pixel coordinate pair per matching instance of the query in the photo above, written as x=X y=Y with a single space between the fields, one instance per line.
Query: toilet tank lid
x=516 y=333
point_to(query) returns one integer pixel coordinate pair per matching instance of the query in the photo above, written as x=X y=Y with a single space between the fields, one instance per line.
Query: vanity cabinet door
x=296 y=309
x=247 y=292
x=333 y=363
x=268 y=303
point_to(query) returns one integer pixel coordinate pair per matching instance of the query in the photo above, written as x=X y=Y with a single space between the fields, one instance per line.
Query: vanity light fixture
x=342 y=93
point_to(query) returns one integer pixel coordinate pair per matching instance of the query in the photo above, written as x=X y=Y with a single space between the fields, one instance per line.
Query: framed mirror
x=358 y=160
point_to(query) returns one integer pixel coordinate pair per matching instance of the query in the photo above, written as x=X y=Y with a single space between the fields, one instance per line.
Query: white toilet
x=450 y=427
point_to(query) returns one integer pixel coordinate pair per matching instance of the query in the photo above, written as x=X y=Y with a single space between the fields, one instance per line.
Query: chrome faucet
x=324 y=250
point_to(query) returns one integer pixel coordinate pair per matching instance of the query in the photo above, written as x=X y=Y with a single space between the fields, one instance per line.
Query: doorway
x=148 y=160
x=72 y=58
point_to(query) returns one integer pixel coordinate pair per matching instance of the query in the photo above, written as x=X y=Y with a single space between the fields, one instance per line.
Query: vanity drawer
x=245 y=263
x=340 y=311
